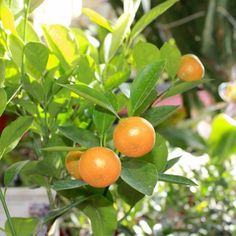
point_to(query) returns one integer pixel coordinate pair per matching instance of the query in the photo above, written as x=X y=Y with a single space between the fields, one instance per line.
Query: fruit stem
x=4 y=204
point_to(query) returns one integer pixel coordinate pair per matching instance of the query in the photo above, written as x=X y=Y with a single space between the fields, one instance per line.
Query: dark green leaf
x=171 y=163
x=157 y=115
x=143 y=85
x=140 y=175
x=158 y=155
x=3 y=100
x=61 y=149
x=83 y=137
x=61 y=211
x=129 y=194
x=67 y=184
x=150 y=16
x=13 y=171
x=103 y=120
x=101 y=214
x=175 y=179
x=92 y=95
x=12 y=134
x=22 y=226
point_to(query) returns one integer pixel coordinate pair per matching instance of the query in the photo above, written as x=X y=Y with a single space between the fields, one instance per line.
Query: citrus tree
x=87 y=107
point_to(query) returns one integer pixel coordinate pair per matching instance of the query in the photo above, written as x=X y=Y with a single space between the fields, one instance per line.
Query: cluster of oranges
x=100 y=166
x=133 y=137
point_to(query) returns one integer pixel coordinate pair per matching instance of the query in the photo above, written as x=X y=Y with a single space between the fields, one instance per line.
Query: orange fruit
x=191 y=68
x=134 y=136
x=99 y=167
x=72 y=163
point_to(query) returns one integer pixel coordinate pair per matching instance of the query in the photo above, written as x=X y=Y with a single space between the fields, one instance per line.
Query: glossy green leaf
x=102 y=215
x=144 y=54
x=129 y=194
x=36 y=58
x=158 y=155
x=2 y=73
x=156 y=115
x=92 y=95
x=12 y=134
x=22 y=226
x=97 y=18
x=143 y=86
x=61 y=149
x=13 y=171
x=181 y=87
x=140 y=175
x=3 y=100
x=147 y=18
x=116 y=79
x=172 y=55
x=171 y=163
x=52 y=215
x=83 y=137
x=176 y=179
x=67 y=184
x=103 y=120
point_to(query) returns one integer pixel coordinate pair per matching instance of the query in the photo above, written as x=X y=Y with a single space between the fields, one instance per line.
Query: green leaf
x=13 y=171
x=144 y=54
x=181 y=87
x=114 y=40
x=172 y=55
x=2 y=73
x=92 y=95
x=23 y=226
x=129 y=194
x=103 y=120
x=34 y=4
x=143 y=86
x=116 y=79
x=61 y=149
x=102 y=215
x=83 y=137
x=140 y=175
x=158 y=155
x=97 y=18
x=12 y=134
x=67 y=184
x=27 y=31
x=16 y=49
x=3 y=100
x=175 y=179
x=61 y=211
x=157 y=115
x=33 y=88
x=147 y=18
x=171 y=163
x=61 y=43
x=36 y=58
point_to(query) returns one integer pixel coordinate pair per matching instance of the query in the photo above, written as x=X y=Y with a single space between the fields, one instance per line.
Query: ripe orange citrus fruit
x=99 y=167
x=191 y=68
x=134 y=136
x=72 y=163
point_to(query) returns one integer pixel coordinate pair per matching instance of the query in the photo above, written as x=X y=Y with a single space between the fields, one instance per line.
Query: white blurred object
x=56 y=12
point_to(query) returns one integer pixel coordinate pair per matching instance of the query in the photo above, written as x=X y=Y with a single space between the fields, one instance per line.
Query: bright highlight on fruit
x=134 y=137
x=72 y=163
x=99 y=167
x=191 y=68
